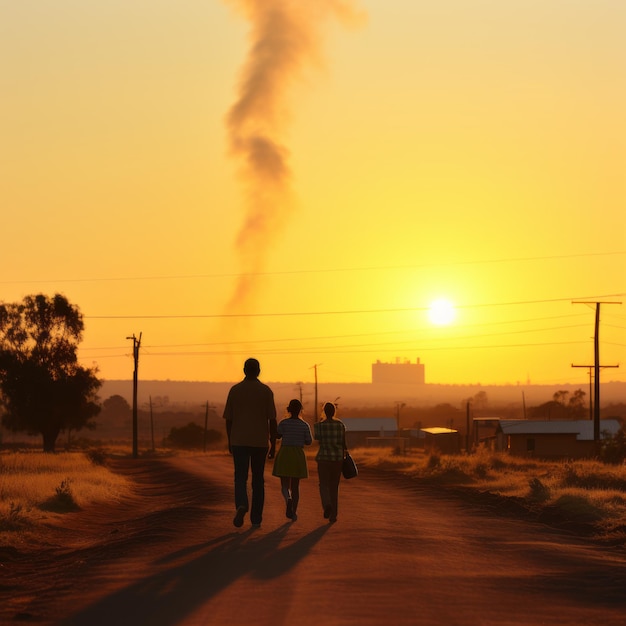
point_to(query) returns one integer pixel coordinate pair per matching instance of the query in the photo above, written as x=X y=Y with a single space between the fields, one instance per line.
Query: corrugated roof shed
x=370 y=424
x=583 y=429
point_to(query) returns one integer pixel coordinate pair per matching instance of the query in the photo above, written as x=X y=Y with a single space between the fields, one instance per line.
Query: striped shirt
x=294 y=432
x=331 y=434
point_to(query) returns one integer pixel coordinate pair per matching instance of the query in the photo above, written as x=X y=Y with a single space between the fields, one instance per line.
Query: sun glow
x=441 y=312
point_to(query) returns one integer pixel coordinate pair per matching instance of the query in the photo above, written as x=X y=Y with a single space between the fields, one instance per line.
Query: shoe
x=239 y=515
x=328 y=509
x=332 y=519
x=256 y=525
x=289 y=511
x=294 y=517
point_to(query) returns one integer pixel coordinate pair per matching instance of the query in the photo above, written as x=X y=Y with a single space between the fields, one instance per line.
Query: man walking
x=250 y=415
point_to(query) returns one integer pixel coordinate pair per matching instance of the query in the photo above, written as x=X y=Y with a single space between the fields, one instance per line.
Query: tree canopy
x=192 y=436
x=43 y=389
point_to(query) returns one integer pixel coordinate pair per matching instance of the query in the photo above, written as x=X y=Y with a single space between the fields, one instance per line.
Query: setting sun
x=341 y=200
x=441 y=312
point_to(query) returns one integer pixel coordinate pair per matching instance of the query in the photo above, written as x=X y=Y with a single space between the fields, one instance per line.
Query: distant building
x=361 y=429
x=399 y=373
x=485 y=429
x=560 y=439
x=441 y=440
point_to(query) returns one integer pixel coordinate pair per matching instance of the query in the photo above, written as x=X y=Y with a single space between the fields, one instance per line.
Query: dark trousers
x=250 y=458
x=329 y=473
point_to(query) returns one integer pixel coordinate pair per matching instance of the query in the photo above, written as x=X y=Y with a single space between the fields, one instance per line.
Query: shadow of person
x=180 y=588
x=283 y=559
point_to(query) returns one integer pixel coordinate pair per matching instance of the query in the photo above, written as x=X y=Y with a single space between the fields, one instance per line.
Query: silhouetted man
x=250 y=415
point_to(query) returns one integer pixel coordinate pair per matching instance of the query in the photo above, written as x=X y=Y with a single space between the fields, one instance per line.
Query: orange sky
x=306 y=204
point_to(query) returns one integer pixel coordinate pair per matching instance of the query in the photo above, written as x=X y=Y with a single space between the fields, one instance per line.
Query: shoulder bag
x=349 y=468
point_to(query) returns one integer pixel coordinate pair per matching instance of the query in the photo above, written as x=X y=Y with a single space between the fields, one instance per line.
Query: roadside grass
x=35 y=486
x=580 y=491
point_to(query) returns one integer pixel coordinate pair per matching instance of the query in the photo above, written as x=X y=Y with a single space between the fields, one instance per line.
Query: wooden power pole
x=317 y=411
x=596 y=369
x=136 y=345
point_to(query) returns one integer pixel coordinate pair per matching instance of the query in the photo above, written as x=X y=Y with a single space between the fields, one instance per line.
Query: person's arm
x=229 y=425
x=228 y=417
x=273 y=436
x=273 y=426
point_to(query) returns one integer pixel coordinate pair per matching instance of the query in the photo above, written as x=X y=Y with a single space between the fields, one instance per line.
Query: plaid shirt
x=331 y=434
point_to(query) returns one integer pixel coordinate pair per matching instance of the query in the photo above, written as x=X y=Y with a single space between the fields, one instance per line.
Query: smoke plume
x=285 y=38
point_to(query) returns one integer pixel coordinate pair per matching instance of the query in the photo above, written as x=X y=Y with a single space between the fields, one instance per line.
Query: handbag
x=349 y=468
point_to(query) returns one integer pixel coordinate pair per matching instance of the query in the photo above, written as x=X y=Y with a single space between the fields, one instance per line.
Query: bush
x=97 y=456
x=577 y=508
x=63 y=501
x=613 y=450
x=538 y=491
x=191 y=437
x=434 y=461
x=14 y=518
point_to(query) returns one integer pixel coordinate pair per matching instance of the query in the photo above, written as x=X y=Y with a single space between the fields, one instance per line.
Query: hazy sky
x=298 y=181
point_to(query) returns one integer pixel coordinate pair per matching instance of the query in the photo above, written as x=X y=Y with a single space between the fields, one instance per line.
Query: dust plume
x=285 y=38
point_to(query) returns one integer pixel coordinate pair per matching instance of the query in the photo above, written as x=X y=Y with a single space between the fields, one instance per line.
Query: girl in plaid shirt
x=331 y=434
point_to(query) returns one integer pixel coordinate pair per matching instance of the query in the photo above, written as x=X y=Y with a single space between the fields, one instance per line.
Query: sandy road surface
x=399 y=554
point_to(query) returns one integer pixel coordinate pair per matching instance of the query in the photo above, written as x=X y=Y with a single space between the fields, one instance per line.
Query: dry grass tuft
x=582 y=491
x=34 y=485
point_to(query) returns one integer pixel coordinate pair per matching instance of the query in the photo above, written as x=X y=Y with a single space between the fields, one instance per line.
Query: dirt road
x=399 y=554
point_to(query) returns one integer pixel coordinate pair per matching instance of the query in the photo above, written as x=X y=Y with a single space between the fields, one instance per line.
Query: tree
x=191 y=436
x=480 y=401
x=576 y=404
x=561 y=406
x=43 y=389
x=116 y=406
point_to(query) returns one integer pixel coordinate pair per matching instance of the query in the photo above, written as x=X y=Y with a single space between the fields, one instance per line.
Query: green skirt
x=290 y=462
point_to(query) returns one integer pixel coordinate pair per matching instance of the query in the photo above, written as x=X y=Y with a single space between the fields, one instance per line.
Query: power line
x=339 y=312
x=315 y=271
x=424 y=343
x=363 y=349
x=370 y=334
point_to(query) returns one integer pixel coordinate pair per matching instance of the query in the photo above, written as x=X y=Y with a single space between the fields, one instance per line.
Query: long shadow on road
x=166 y=597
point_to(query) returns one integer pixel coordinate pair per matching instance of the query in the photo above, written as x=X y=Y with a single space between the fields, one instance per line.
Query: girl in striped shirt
x=290 y=463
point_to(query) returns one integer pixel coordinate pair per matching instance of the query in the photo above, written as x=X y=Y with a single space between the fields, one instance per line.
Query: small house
x=485 y=429
x=439 y=440
x=552 y=439
x=360 y=431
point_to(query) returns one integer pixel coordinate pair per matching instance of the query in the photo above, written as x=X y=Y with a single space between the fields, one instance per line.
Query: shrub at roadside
x=34 y=486
x=63 y=500
x=192 y=437
x=584 y=492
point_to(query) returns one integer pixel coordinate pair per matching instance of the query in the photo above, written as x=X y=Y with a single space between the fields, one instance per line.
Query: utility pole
x=136 y=345
x=399 y=405
x=152 y=425
x=316 y=407
x=591 y=368
x=596 y=369
x=299 y=386
x=206 y=425
x=467 y=427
